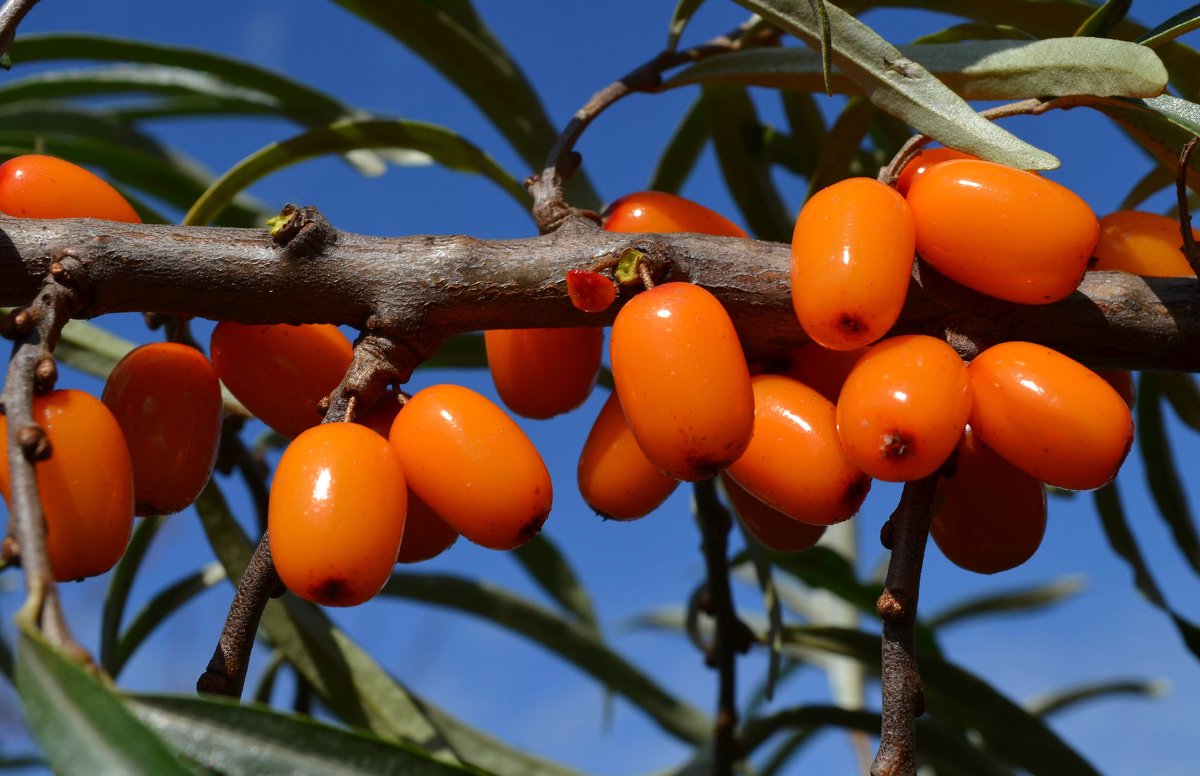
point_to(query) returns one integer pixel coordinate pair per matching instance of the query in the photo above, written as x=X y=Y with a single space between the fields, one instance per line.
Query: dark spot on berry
x=533 y=527
x=332 y=591
x=897 y=444
x=856 y=492
x=851 y=324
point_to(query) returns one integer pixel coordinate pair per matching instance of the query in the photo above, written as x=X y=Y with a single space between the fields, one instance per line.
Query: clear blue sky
x=496 y=681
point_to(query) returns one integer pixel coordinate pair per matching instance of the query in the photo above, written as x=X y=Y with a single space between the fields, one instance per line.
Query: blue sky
x=494 y=680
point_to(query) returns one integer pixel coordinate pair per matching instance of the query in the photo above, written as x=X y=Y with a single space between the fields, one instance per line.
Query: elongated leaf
x=228 y=737
x=123 y=79
x=568 y=640
x=91 y=349
x=1019 y=601
x=119 y=586
x=766 y=583
x=50 y=117
x=975 y=69
x=784 y=753
x=1104 y=19
x=1062 y=700
x=842 y=146
x=1180 y=24
x=1183 y=394
x=80 y=724
x=550 y=569
x=1162 y=126
x=807 y=127
x=1162 y=476
x=187 y=106
x=901 y=87
x=684 y=10
x=682 y=152
x=439 y=143
x=975 y=31
x=166 y=602
x=1154 y=181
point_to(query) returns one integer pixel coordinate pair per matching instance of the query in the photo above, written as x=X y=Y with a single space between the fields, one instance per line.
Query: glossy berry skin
x=822 y=369
x=772 y=528
x=167 y=400
x=615 y=478
x=683 y=381
x=336 y=514
x=37 y=186
x=540 y=373
x=795 y=462
x=903 y=407
x=852 y=257
x=920 y=164
x=1049 y=415
x=466 y=459
x=281 y=372
x=86 y=485
x=989 y=516
x=656 y=211
x=1007 y=233
x=590 y=291
x=1142 y=244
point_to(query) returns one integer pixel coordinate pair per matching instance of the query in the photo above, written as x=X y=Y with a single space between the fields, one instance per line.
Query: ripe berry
x=1122 y=382
x=1007 y=233
x=167 y=400
x=656 y=211
x=795 y=462
x=86 y=486
x=336 y=514
x=281 y=373
x=989 y=516
x=614 y=476
x=852 y=256
x=36 y=186
x=1049 y=415
x=922 y=161
x=1142 y=244
x=683 y=381
x=473 y=466
x=903 y=407
x=540 y=373
x=772 y=528
x=590 y=291
x=822 y=369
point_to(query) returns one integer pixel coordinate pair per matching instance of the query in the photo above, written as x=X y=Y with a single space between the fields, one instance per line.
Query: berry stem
x=1190 y=249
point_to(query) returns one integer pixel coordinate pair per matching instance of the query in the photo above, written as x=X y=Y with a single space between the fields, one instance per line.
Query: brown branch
x=1190 y=250
x=10 y=17
x=903 y=696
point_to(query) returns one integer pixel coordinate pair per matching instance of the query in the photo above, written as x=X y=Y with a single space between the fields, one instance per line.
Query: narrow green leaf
x=901 y=87
x=975 y=31
x=228 y=737
x=49 y=117
x=439 y=143
x=818 y=7
x=1162 y=126
x=684 y=10
x=1062 y=700
x=166 y=602
x=807 y=127
x=462 y=351
x=766 y=583
x=683 y=150
x=188 y=106
x=1154 y=181
x=1161 y=474
x=6 y=659
x=1183 y=394
x=783 y=754
x=91 y=349
x=737 y=137
x=1017 y=601
x=822 y=568
x=1105 y=18
x=117 y=595
x=843 y=144
x=1180 y=24
x=266 y=682
x=126 y=79
x=81 y=726
x=553 y=573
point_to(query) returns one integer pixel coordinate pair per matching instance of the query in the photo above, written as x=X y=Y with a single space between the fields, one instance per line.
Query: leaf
x=228 y=737
x=81 y=726
x=124 y=79
x=1162 y=126
x=1183 y=394
x=901 y=87
x=119 y=586
x=1061 y=700
x=842 y=146
x=166 y=602
x=975 y=69
x=1104 y=19
x=550 y=569
x=1120 y=538
x=682 y=152
x=1161 y=474
x=975 y=31
x=818 y=7
x=684 y=9
x=1157 y=179
x=1180 y=24
x=766 y=583
x=1009 y=601
x=737 y=135
x=808 y=128
x=439 y=143
x=91 y=349
x=571 y=641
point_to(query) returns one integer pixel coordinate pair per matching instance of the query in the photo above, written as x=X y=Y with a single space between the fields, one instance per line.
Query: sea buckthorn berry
x=922 y=161
x=37 y=186
x=1142 y=244
x=336 y=514
x=1049 y=415
x=822 y=369
x=989 y=516
x=86 y=485
x=540 y=373
x=473 y=466
x=852 y=256
x=772 y=528
x=615 y=478
x=281 y=372
x=1122 y=382
x=425 y=534
x=167 y=400
x=657 y=211
x=683 y=381
x=590 y=291
x=903 y=407
x=1007 y=233
x=795 y=462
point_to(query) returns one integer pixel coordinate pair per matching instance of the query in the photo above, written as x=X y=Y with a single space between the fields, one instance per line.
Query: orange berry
x=772 y=528
x=336 y=514
x=822 y=369
x=281 y=372
x=922 y=161
x=656 y=211
x=590 y=291
x=903 y=407
x=1049 y=415
x=167 y=400
x=426 y=535
x=1122 y=382
x=1143 y=244
x=540 y=373
x=1007 y=233
x=795 y=462
x=683 y=381
x=989 y=516
x=473 y=466
x=86 y=486
x=852 y=256
x=615 y=478
x=37 y=186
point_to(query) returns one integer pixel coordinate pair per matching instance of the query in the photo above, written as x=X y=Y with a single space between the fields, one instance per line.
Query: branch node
x=301 y=232
x=34 y=443
x=45 y=375
x=10 y=551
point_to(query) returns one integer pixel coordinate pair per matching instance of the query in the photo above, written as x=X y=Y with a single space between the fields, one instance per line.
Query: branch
x=10 y=16
x=420 y=290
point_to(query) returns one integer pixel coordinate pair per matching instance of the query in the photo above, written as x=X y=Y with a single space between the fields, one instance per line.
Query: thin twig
x=903 y=694
x=1190 y=249
x=10 y=17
